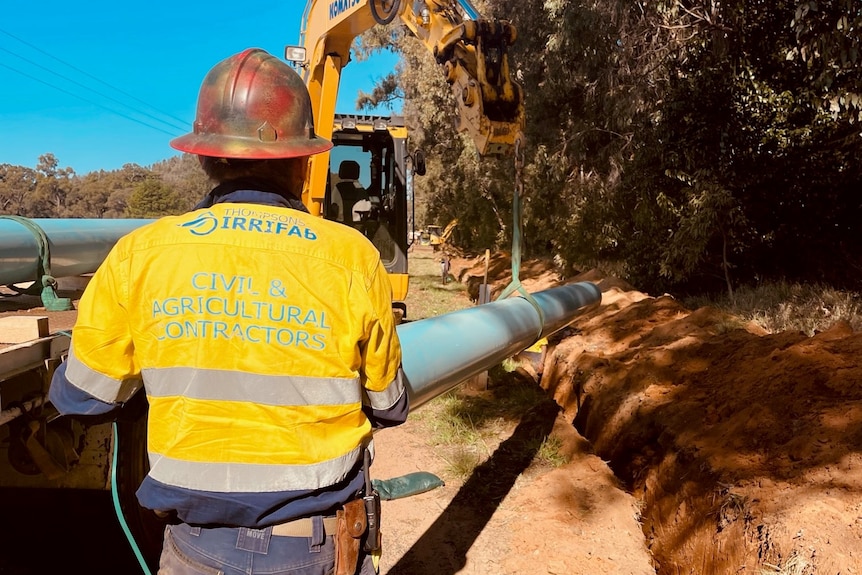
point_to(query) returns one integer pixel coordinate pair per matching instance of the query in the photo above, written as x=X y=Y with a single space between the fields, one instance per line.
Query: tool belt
x=304 y=527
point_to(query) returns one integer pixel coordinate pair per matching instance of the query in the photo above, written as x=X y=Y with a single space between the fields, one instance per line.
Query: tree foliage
x=169 y=187
x=152 y=198
x=688 y=144
x=17 y=185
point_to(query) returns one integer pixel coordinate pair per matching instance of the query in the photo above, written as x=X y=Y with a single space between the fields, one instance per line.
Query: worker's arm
x=99 y=374
x=395 y=414
x=385 y=400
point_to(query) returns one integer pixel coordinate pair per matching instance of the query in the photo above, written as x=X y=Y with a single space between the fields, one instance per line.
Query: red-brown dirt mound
x=743 y=447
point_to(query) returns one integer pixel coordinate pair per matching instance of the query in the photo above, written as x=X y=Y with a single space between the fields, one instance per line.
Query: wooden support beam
x=21 y=328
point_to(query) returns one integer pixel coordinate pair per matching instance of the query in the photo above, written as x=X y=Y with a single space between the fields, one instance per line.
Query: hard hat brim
x=219 y=146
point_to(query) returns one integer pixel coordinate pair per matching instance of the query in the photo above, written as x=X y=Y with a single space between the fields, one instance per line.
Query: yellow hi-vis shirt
x=258 y=332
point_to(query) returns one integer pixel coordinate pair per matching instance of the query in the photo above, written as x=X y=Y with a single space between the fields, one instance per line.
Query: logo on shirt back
x=245 y=220
x=202 y=225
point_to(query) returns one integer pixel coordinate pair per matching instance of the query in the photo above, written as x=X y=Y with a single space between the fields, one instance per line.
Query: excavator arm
x=472 y=53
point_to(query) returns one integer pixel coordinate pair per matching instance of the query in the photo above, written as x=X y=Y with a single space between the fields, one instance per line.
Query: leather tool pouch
x=352 y=524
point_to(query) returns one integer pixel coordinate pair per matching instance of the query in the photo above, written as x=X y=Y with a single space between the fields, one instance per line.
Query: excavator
x=472 y=54
x=438 y=239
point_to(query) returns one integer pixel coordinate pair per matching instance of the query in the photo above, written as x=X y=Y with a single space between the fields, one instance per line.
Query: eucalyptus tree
x=152 y=198
x=52 y=186
x=17 y=186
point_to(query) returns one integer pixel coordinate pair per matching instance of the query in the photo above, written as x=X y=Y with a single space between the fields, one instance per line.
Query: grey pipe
x=441 y=352
x=77 y=246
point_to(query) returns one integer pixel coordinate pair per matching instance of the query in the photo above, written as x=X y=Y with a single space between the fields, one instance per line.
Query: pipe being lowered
x=443 y=351
x=77 y=246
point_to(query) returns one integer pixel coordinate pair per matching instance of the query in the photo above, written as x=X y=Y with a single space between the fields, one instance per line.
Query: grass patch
x=781 y=306
x=466 y=427
x=447 y=423
x=428 y=296
x=462 y=463
x=795 y=565
x=550 y=452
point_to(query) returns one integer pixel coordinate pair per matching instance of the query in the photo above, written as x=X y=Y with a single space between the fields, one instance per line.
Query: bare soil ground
x=696 y=445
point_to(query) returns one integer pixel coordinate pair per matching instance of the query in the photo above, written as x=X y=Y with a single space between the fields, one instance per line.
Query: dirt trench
x=741 y=448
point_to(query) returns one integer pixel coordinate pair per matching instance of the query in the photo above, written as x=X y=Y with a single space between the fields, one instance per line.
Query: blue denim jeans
x=191 y=550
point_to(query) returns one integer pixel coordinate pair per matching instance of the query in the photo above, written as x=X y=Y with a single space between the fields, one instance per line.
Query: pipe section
x=441 y=352
x=77 y=246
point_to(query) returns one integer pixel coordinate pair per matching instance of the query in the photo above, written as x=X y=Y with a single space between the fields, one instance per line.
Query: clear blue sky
x=101 y=84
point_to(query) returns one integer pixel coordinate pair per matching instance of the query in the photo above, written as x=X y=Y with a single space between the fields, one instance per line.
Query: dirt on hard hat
x=695 y=443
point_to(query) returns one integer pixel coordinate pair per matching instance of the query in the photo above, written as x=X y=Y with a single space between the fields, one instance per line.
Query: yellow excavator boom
x=472 y=53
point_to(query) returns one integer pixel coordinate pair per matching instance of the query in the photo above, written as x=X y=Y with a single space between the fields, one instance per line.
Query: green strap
x=515 y=284
x=44 y=284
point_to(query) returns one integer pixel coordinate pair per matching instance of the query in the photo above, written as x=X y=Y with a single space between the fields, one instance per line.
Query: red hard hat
x=252 y=105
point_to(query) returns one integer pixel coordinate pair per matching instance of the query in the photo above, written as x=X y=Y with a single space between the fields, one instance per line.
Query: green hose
x=115 y=495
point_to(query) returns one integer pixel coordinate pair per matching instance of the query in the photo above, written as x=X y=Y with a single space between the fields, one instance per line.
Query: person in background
x=444 y=269
x=263 y=338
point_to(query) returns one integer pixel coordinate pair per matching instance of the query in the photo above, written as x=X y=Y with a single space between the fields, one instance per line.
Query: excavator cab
x=367 y=186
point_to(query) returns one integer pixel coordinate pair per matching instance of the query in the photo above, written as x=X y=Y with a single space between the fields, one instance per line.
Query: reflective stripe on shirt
x=224 y=385
x=236 y=478
x=98 y=385
x=382 y=400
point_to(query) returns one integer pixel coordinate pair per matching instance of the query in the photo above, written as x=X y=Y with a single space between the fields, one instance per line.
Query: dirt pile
x=741 y=448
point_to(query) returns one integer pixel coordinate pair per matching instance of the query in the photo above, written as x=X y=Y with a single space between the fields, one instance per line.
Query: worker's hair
x=287 y=173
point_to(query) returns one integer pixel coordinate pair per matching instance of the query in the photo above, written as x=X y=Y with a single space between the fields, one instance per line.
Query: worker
x=265 y=342
x=445 y=266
